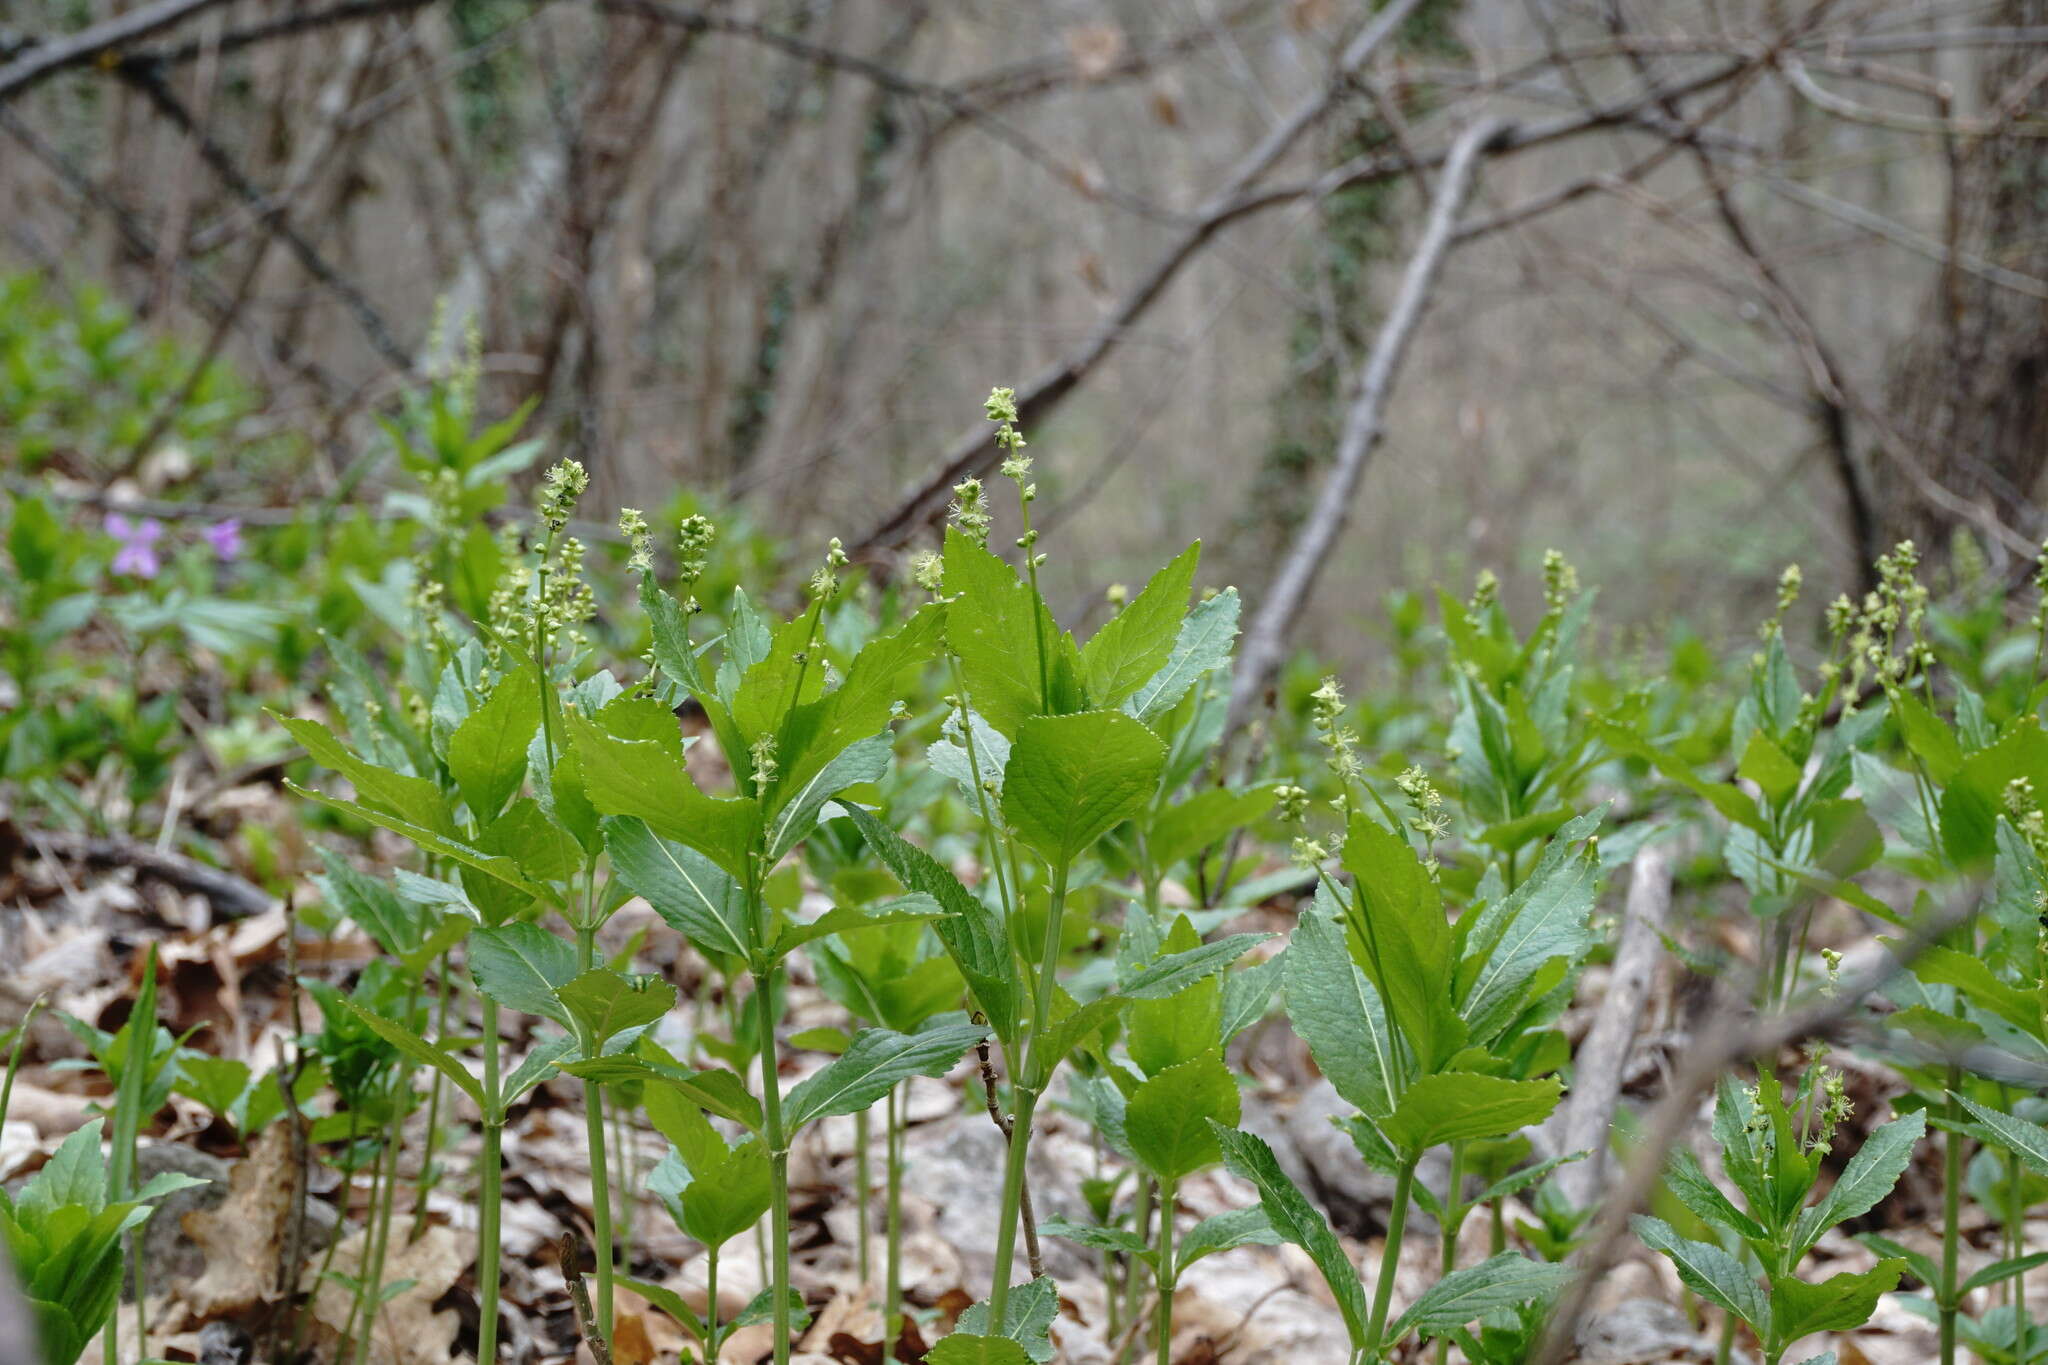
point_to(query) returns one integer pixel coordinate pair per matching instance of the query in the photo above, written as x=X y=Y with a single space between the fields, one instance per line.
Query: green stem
x=1454 y=1216
x=1141 y=1222
x=426 y=1180
x=1163 y=1318
x=490 y=1187
x=1390 y=1256
x=1027 y=1090
x=778 y=1160
x=600 y=1180
x=622 y=1143
x=1498 y=1241
x=861 y=1183
x=892 y=1295
x=1951 y=1211
x=372 y=1282
x=711 y=1305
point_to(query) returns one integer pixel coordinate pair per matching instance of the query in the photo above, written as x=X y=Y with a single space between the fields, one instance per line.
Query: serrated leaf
x=1225 y=1232
x=1708 y=1271
x=667 y=1300
x=414 y=800
x=1027 y=1318
x=797 y=807
x=816 y=736
x=1866 y=1180
x=714 y=1090
x=697 y=898
x=1071 y=779
x=1404 y=940
x=521 y=966
x=1504 y=1281
x=420 y=1050
x=1297 y=1221
x=646 y=779
x=1202 y=646
x=1169 y=1120
x=1336 y=1011
x=1765 y=764
x=1097 y=1238
x=965 y=1348
x=1839 y=1303
x=494 y=865
x=1454 y=1106
x=872 y=1065
x=995 y=626
x=2027 y=1141
x=487 y=752
x=1135 y=644
x=969 y=930
x=846 y=919
x=603 y=1004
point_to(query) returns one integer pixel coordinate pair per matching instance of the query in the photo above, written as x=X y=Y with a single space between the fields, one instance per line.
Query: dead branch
x=1588 y=1115
x=232 y=896
x=46 y=59
x=1265 y=640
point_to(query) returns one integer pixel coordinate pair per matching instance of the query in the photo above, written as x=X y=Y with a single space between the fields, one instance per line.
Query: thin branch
x=1265 y=640
x=46 y=59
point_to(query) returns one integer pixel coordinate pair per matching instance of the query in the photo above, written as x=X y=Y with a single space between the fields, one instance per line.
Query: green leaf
x=667 y=1300
x=871 y=1067
x=848 y=919
x=715 y=1090
x=1542 y=920
x=1184 y=1025
x=1927 y=736
x=494 y=865
x=1225 y=1232
x=487 y=752
x=1339 y=1015
x=1190 y=825
x=1455 y=1106
x=797 y=813
x=1027 y=1318
x=646 y=779
x=1405 y=940
x=414 y=800
x=538 y=1065
x=2003 y=1270
x=1765 y=764
x=1837 y=1304
x=1973 y=976
x=1297 y=1221
x=420 y=1050
x=1136 y=643
x=2027 y=1141
x=1698 y=1193
x=1171 y=1118
x=695 y=896
x=1708 y=1271
x=1072 y=779
x=969 y=930
x=605 y=1003
x=965 y=1348
x=521 y=966
x=1866 y=1180
x=1504 y=1281
x=994 y=624
x=1096 y=1238
x=670 y=624
x=1175 y=972
x=1201 y=647
x=817 y=735
x=1972 y=803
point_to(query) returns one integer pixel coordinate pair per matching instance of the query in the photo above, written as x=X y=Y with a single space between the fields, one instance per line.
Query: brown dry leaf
x=845 y=1315
x=408 y=1330
x=243 y=1238
x=1094 y=49
x=631 y=1344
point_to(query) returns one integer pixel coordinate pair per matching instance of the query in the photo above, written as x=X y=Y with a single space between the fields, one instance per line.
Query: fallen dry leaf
x=244 y=1237
x=408 y=1331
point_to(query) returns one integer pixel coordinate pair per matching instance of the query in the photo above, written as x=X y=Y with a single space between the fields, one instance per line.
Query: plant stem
x=1390 y=1256
x=1951 y=1209
x=1026 y=1089
x=860 y=1197
x=426 y=1180
x=892 y=1294
x=711 y=1305
x=378 y=1245
x=1141 y=1222
x=1163 y=1317
x=490 y=1187
x=778 y=1159
x=1454 y=1216
x=600 y=1180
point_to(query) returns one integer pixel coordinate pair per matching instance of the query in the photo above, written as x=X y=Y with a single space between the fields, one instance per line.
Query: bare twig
x=46 y=59
x=231 y=895
x=1265 y=640
x=1006 y=1126
x=1597 y=1070
x=570 y=1249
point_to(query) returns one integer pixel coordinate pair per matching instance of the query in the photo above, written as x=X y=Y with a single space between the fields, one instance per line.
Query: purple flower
x=226 y=539
x=137 y=554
